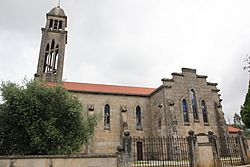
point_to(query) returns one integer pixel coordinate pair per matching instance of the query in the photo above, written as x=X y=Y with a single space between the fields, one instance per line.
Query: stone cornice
x=201 y=76
x=109 y=93
x=212 y=84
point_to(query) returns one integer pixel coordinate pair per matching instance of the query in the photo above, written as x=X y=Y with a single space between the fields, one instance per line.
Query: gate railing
x=230 y=150
x=160 y=151
x=182 y=151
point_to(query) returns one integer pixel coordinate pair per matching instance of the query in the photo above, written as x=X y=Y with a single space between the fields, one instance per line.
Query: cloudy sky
x=135 y=42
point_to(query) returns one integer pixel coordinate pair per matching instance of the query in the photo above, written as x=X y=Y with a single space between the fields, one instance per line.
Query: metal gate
x=160 y=152
x=229 y=151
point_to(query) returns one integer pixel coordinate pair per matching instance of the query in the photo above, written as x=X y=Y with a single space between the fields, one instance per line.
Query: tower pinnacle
x=59 y=3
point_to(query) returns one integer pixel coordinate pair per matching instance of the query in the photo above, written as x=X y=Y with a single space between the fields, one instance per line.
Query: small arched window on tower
x=204 y=112
x=50 y=23
x=55 y=24
x=60 y=25
x=106 y=116
x=194 y=105
x=185 y=111
x=138 y=118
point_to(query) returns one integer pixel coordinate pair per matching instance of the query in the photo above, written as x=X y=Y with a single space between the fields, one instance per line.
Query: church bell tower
x=52 y=49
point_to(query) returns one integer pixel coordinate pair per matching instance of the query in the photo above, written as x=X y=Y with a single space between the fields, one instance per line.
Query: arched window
x=138 y=118
x=52 y=44
x=194 y=104
x=185 y=110
x=106 y=117
x=55 y=59
x=60 y=25
x=55 y=24
x=50 y=23
x=46 y=60
x=51 y=58
x=204 y=111
x=47 y=48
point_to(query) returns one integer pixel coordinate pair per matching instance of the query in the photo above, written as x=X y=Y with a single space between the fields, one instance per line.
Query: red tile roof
x=100 y=88
x=232 y=129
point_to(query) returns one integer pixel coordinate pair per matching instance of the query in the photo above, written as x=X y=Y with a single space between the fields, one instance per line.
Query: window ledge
x=106 y=127
x=186 y=123
x=139 y=128
x=196 y=121
x=206 y=124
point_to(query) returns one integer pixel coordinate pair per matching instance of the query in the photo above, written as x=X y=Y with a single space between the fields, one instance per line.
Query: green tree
x=245 y=110
x=39 y=120
x=237 y=121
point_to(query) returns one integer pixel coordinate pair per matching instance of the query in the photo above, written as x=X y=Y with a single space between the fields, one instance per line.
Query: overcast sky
x=135 y=42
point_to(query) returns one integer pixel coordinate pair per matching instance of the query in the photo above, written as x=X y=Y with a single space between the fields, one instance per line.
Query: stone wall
x=157 y=114
x=59 y=161
x=106 y=140
x=178 y=88
x=162 y=113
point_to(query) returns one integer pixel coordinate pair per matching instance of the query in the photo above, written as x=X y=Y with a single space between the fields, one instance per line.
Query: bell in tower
x=52 y=49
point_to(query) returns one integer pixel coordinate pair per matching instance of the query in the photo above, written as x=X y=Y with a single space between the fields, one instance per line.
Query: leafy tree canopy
x=38 y=120
x=238 y=121
x=245 y=110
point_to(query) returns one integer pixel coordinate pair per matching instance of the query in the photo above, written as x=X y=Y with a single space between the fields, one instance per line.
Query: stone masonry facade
x=182 y=103
x=161 y=111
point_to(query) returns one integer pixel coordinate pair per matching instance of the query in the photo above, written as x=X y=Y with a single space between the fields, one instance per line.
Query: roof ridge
x=110 y=85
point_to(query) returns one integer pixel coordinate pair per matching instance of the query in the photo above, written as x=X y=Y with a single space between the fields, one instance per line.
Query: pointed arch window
x=51 y=58
x=138 y=118
x=204 y=111
x=47 y=48
x=55 y=59
x=52 y=44
x=185 y=110
x=106 y=116
x=194 y=104
x=46 y=61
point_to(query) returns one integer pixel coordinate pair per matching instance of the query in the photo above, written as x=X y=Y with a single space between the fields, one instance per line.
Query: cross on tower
x=59 y=2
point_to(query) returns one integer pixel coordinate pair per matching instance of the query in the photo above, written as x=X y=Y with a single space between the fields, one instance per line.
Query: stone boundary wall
x=97 y=160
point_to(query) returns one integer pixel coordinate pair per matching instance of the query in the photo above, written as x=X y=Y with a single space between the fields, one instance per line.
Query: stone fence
x=100 y=160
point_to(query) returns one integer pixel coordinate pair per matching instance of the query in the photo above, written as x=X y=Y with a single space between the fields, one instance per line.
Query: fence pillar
x=124 y=150
x=192 y=144
x=243 y=147
x=205 y=151
x=215 y=148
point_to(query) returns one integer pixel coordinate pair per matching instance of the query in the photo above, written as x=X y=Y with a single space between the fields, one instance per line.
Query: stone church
x=187 y=101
